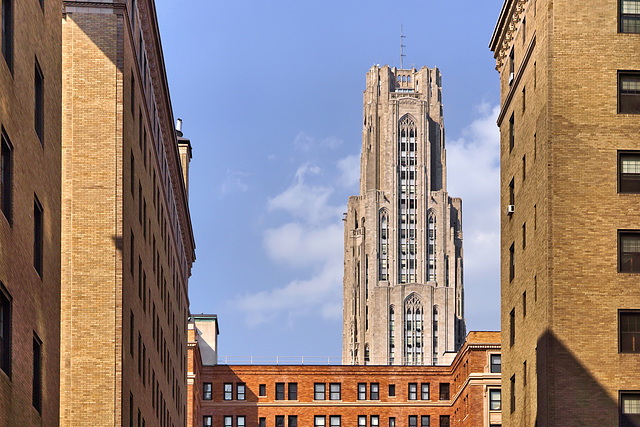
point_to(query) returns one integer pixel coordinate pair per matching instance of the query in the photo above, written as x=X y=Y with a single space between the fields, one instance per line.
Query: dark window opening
x=5 y=330
x=629 y=172
x=6 y=174
x=7 y=32
x=629 y=327
x=36 y=396
x=39 y=102
x=38 y=236
x=279 y=391
x=630 y=16
x=629 y=251
x=444 y=391
x=293 y=391
x=629 y=92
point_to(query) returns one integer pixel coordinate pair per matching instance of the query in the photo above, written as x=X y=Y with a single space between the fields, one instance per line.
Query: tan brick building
x=403 y=299
x=127 y=241
x=30 y=116
x=467 y=393
x=570 y=224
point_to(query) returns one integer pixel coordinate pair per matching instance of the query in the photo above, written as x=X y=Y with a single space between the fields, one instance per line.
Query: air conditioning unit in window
x=510 y=78
x=511 y=209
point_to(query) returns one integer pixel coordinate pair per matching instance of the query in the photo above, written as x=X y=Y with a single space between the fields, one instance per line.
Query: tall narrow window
x=319 y=391
x=435 y=335
x=424 y=391
x=431 y=245
x=630 y=16
x=7 y=32
x=279 y=420
x=37 y=374
x=524 y=30
x=629 y=408
x=228 y=391
x=407 y=200
x=5 y=331
x=392 y=337
x=293 y=391
x=362 y=391
x=334 y=421
x=384 y=245
x=524 y=235
x=413 y=391
x=425 y=421
x=334 y=391
x=444 y=391
x=293 y=421
x=374 y=391
x=512 y=262
x=207 y=391
x=39 y=102
x=279 y=391
x=445 y=420
x=496 y=363
x=37 y=236
x=512 y=327
x=207 y=421
x=513 y=393
x=629 y=172
x=495 y=399
x=629 y=327
x=512 y=66
x=629 y=92
x=413 y=421
x=6 y=175
x=414 y=333
x=629 y=258
x=512 y=133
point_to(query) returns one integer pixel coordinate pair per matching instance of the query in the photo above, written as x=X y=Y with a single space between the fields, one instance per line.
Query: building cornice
x=505 y=30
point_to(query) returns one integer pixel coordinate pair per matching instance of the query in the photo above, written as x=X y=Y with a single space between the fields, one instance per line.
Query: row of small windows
x=404 y=79
x=333 y=421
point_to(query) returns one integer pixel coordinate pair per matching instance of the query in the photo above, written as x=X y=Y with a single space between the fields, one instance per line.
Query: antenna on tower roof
x=402 y=46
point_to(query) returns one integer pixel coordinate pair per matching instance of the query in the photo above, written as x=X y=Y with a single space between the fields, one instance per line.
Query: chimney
x=184 y=148
x=207 y=332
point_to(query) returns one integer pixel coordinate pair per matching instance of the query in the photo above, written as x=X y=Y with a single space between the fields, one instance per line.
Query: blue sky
x=271 y=98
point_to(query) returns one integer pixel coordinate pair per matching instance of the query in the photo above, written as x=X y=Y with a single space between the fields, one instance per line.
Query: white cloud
x=349 y=171
x=304 y=142
x=300 y=245
x=234 y=182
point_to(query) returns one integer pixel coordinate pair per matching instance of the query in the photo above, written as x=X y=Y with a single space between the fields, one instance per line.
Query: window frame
x=444 y=418
x=39 y=101
x=621 y=20
x=424 y=418
x=362 y=391
x=621 y=395
x=492 y=364
x=422 y=391
x=335 y=394
x=630 y=74
x=227 y=394
x=6 y=319
x=392 y=390
x=241 y=391
x=317 y=392
x=374 y=395
x=412 y=391
x=292 y=421
x=227 y=421
x=38 y=236
x=333 y=418
x=413 y=421
x=620 y=332
x=279 y=418
x=244 y=421
x=292 y=391
x=207 y=391
x=6 y=33
x=320 y=421
x=6 y=176
x=207 y=421
x=444 y=390
x=621 y=234
x=262 y=390
x=492 y=401
x=279 y=391
x=36 y=387
x=621 y=154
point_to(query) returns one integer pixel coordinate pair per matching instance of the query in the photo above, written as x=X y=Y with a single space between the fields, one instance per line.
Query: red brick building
x=467 y=393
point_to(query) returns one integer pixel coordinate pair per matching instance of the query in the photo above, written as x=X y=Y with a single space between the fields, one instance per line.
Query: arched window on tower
x=384 y=245
x=392 y=336
x=435 y=335
x=407 y=201
x=413 y=330
x=431 y=246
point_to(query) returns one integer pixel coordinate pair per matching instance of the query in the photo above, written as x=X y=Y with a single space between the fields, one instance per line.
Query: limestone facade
x=403 y=290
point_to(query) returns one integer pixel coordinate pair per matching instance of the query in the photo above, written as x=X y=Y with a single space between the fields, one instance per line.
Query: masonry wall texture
x=561 y=94
x=127 y=241
x=35 y=174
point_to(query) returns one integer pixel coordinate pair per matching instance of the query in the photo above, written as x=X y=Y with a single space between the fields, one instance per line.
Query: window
x=511 y=66
x=513 y=393
x=374 y=393
x=131 y=333
x=207 y=421
x=279 y=420
x=629 y=408
x=319 y=421
x=279 y=391
x=628 y=172
x=413 y=421
x=392 y=421
x=375 y=420
x=7 y=32
x=362 y=421
x=334 y=421
x=334 y=391
x=524 y=98
x=413 y=391
x=206 y=391
x=629 y=327
x=6 y=174
x=512 y=327
x=293 y=391
x=262 y=390
x=629 y=251
x=524 y=304
x=39 y=102
x=37 y=236
x=629 y=16
x=445 y=421
x=36 y=395
x=524 y=235
x=240 y=421
x=293 y=421
x=424 y=391
x=512 y=134
x=628 y=92
x=132 y=93
x=362 y=391
x=5 y=331
x=495 y=399
x=425 y=421
x=524 y=30
x=319 y=390
x=240 y=391
x=392 y=390
x=444 y=391
x=496 y=363
x=262 y=422
x=228 y=421
x=524 y=167
x=512 y=262
x=228 y=391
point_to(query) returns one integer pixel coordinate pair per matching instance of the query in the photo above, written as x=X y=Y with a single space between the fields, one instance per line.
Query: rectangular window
x=524 y=235
x=413 y=391
x=262 y=390
x=524 y=373
x=524 y=30
x=512 y=262
x=293 y=391
x=7 y=32
x=5 y=331
x=629 y=327
x=36 y=396
x=262 y=422
x=38 y=236
x=628 y=172
x=374 y=393
x=207 y=421
x=512 y=327
x=445 y=421
x=319 y=421
x=362 y=421
x=279 y=420
x=413 y=421
x=132 y=90
x=524 y=304
x=279 y=391
x=131 y=252
x=207 y=391
x=512 y=66
x=629 y=92
x=334 y=391
x=512 y=133
x=392 y=390
x=512 y=192
x=228 y=421
x=362 y=391
x=6 y=175
x=495 y=399
x=524 y=97
x=293 y=421
x=375 y=421
x=424 y=391
x=513 y=393
x=240 y=421
x=392 y=421
x=524 y=167
x=39 y=102
x=241 y=391
x=131 y=333
x=629 y=408
x=228 y=391
x=629 y=254
x=444 y=391
x=334 y=421
x=629 y=16
x=496 y=363
x=425 y=421
x=319 y=391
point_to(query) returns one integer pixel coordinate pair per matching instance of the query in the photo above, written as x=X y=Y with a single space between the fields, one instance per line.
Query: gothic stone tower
x=403 y=297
